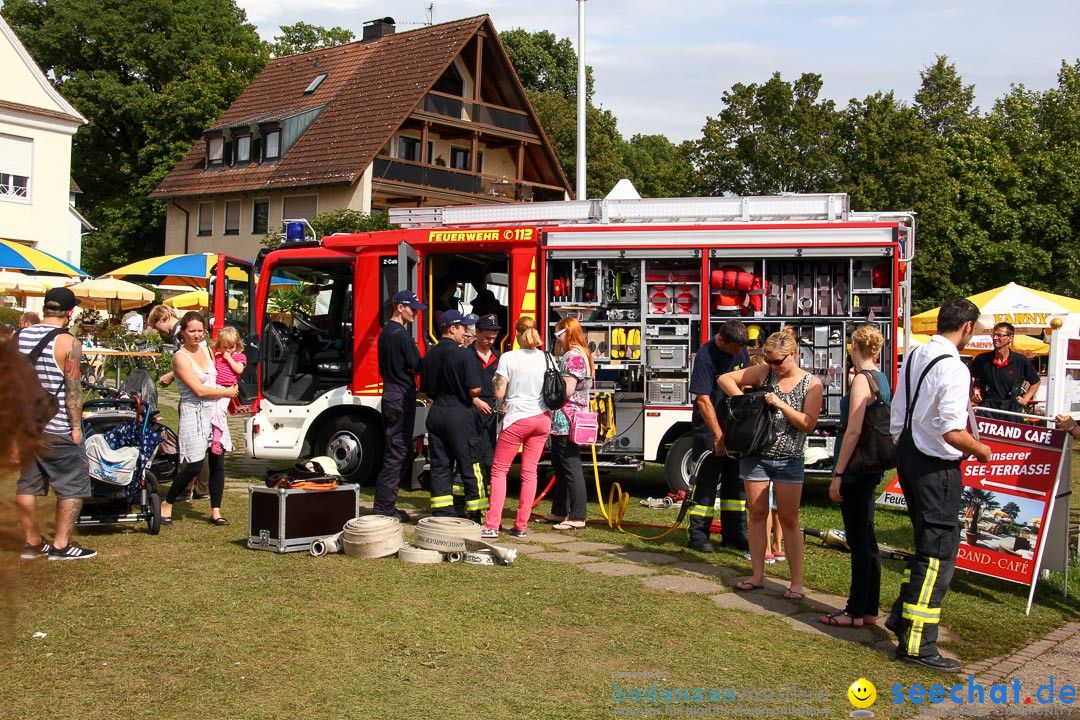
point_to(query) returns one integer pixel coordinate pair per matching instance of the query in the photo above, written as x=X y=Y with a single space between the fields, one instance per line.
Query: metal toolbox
x=667 y=392
x=667 y=356
x=284 y=520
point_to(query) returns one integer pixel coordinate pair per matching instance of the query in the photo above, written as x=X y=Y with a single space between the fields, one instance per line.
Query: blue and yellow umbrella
x=190 y=270
x=16 y=256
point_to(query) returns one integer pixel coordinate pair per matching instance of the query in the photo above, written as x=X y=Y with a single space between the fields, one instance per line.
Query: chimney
x=375 y=29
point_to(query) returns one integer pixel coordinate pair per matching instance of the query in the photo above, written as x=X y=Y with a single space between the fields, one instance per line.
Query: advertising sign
x=1006 y=502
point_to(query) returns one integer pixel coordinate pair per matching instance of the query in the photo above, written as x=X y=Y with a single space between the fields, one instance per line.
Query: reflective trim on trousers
x=702 y=510
x=915 y=634
x=732 y=505
x=441 y=501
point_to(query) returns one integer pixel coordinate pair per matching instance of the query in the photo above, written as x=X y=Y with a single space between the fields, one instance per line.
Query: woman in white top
x=519 y=381
x=194 y=368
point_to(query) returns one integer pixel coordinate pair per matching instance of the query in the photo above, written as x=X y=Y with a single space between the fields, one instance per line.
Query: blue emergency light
x=294 y=232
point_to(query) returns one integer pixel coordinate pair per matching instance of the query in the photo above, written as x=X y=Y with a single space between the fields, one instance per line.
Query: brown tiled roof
x=370 y=89
x=42 y=112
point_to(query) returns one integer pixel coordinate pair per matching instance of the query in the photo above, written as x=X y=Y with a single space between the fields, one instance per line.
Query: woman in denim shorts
x=795 y=397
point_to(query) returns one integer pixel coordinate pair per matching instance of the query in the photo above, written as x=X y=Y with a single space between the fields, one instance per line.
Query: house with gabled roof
x=37 y=193
x=433 y=116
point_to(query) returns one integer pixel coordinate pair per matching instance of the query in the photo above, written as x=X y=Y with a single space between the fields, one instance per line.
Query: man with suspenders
x=929 y=418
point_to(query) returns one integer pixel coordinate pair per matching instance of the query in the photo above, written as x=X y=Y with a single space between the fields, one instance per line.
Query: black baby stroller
x=121 y=442
x=166 y=460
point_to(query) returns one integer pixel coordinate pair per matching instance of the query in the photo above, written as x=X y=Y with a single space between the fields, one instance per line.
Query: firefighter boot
x=699 y=529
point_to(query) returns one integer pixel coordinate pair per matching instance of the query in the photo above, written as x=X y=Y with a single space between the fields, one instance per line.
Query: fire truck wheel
x=679 y=463
x=354 y=446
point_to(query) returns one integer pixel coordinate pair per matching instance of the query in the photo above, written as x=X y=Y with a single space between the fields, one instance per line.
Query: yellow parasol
x=112 y=294
x=1021 y=306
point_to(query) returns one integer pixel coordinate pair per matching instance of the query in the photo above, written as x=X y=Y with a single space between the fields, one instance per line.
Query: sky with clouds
x=663 y=67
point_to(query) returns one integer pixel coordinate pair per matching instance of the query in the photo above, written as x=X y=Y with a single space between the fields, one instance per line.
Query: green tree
x=1012 y=510
x=945 y=104
x=302 y=37
x=150 y=76
x=659 y=167
x=545 y=63
x=547 y=68
x=768 y=139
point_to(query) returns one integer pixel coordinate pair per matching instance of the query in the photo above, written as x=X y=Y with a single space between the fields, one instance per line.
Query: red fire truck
x=649 y=279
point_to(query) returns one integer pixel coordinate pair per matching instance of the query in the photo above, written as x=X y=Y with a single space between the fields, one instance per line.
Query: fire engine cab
x=649 y=279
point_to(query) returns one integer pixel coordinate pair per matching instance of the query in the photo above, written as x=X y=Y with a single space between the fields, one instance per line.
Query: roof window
x=315 y=83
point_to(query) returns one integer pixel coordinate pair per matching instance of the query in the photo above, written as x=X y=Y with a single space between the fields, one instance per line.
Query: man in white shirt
x=133 y=321
x=933 y=439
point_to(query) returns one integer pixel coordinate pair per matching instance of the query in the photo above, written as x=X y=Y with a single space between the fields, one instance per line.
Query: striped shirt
x=49 y=373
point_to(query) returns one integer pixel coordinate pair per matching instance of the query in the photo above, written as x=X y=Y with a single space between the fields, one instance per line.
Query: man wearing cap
x=399 y=362
x=725 y=352
x=60 y=460
x=483 y=440
x=451 y=378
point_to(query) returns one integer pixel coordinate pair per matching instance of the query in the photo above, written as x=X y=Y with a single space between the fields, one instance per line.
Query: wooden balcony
x=420 y=176
x=468 y=113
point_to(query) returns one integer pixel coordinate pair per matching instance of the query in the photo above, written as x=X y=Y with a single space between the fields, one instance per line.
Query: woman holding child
x=196 y=377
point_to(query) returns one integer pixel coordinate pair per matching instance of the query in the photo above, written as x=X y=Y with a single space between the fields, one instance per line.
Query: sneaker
x=184 y=498
x=71 y=552
x=489 y=533
x=514 y=532
x=780 y=557
x=198 y=497
x=33 y=552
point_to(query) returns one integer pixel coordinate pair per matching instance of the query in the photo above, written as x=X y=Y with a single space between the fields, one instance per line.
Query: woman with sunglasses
x=795 y=397
x=577 y=369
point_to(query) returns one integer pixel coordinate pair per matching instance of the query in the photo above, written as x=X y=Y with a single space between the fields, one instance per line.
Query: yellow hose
x=619 y=501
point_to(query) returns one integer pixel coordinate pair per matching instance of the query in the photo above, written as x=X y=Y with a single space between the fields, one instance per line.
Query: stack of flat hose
x=445 y=534
x=372 y=536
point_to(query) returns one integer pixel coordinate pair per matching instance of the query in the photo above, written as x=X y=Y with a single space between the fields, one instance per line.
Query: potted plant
x=977 y=501
x=286 y=301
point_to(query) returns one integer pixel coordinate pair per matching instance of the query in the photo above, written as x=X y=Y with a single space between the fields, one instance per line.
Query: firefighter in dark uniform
x=724 y=353
x=487 y=420
x=451 y=379
x=929 y=414
x=399 y=362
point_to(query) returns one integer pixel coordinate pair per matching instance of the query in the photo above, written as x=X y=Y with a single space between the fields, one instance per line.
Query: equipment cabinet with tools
x=284 y=520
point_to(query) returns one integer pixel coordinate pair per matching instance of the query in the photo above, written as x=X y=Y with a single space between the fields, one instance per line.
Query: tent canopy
x=1023 y=307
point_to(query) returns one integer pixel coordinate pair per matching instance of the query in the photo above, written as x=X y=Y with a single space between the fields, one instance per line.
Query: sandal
x=550 y=520
x=790 y=594
x=569 y=525
x=166 y=521
x=833 y=619
x=219 y=521
x=747 y=586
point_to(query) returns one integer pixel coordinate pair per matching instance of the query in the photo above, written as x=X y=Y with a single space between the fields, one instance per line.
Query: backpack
x=47 y=405
x=875 y=452
x=746 y=421
x=554 y=389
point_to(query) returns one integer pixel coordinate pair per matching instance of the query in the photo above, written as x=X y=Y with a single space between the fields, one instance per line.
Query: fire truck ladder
x=831 y=207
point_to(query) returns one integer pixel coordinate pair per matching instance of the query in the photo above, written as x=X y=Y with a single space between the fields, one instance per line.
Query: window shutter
x=300 y=206
x=16 y=155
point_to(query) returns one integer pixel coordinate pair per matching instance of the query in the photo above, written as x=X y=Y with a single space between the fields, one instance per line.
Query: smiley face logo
x=862 y=693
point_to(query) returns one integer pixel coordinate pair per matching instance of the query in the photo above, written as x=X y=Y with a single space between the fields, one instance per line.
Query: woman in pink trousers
x=519 y=381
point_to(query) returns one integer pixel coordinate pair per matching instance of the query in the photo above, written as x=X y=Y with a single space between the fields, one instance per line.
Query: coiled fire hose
x=412 y=554
x=456 y=535
x=372 y=536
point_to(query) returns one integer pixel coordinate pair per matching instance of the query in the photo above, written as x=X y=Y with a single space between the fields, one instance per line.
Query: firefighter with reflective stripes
x=451 y=379
x=487 y=420
x=724 y=353
x=929 y=416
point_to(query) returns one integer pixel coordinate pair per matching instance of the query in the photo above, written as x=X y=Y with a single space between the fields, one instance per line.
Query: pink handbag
x=584 y=428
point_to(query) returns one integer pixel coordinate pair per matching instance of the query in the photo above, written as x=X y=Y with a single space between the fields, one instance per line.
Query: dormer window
x=242 y=149
x=215 y=151
x=272 y=145
x=315 y=83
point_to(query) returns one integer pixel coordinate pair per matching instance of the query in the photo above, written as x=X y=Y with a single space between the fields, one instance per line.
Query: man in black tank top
x=60 y=460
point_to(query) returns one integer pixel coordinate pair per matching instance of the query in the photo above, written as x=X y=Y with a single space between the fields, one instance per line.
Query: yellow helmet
x=753 y=335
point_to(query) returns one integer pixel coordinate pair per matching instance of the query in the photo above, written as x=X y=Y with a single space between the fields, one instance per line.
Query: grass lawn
x=192 y=624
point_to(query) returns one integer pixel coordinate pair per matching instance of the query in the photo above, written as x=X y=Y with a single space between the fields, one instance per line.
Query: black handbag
x=875 y=452
x=747 y=424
